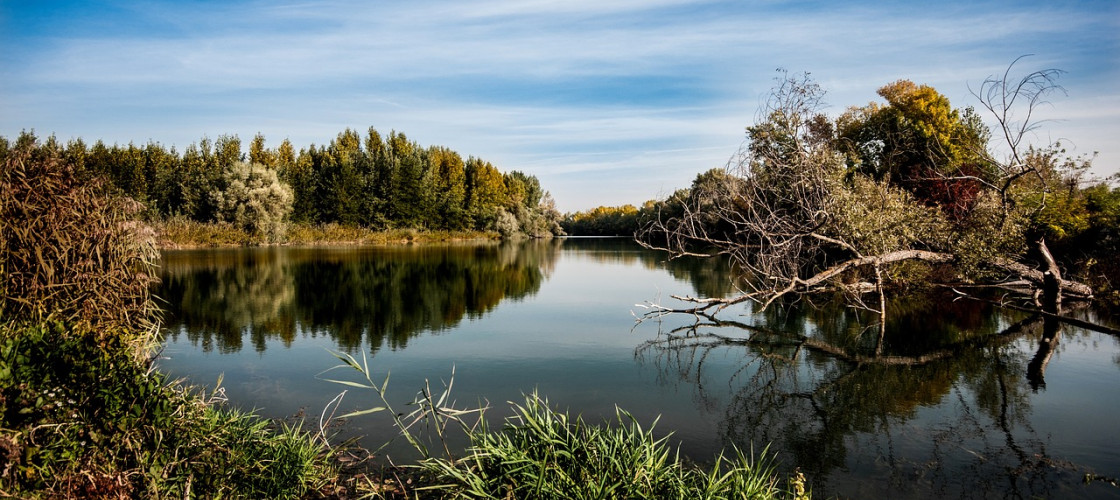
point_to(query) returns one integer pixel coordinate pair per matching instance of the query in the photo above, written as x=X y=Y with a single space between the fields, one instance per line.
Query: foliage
x=507 y=224
x=810 y=203
x=788 y=211
x=304 y=234
x=1052 y=199
x=83 y=413
x=917 y=140
x=84 y=419
x=69 y=251
x=253 y=198
x=603 y=221
x=181 y=232
x=372 y=181
x=876 y=218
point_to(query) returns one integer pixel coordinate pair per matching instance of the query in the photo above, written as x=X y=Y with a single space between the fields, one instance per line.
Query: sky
x=606 y=102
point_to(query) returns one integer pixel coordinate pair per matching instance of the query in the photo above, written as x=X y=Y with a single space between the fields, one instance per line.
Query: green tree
x=303 y=179
x=918 y=141
x=253 y=198
x=450 y=177
x=342 y=183
x=259 y=154
x=603 y=221
x=486 y=193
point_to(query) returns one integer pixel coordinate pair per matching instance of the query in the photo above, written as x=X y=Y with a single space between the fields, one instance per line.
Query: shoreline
x=189 y=235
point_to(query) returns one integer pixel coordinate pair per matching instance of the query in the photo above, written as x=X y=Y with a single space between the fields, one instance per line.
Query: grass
x=83 y=419
x=546 y=454
x=543 y=453
x=300 y=234
x=82 y=412
x=180 y=232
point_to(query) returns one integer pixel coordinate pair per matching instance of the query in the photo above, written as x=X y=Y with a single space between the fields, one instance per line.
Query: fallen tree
x=885 y=196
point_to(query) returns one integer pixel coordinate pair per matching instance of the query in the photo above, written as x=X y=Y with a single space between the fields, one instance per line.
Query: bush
x=68 y=250
x=507 y=225
x=83 y=414
x=254 y=199
x=82 y=418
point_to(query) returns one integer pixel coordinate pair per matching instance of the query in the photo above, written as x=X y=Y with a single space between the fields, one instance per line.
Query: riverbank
x=180 y=233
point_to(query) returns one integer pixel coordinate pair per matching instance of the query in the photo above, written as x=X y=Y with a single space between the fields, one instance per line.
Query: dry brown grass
x=70 y=251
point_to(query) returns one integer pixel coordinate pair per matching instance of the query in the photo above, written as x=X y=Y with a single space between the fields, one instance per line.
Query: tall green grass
x=543 y=453
x=83 y=419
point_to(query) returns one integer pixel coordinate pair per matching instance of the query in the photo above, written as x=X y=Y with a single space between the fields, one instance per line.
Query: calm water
x=993 y=420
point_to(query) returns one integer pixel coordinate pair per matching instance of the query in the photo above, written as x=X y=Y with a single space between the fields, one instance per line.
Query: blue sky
x=607 y=102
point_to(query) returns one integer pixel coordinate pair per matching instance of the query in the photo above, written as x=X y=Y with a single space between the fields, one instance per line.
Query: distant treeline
x=370 y=181
x=605 y=221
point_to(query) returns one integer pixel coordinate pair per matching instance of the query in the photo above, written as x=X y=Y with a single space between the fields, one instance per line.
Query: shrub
x=82 y=418
x=82 y=414
x=254 y=199
x=69 y=251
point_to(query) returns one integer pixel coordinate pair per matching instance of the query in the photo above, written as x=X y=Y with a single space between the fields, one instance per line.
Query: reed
x=180 y=232
x=543 y=453
x=69 y=250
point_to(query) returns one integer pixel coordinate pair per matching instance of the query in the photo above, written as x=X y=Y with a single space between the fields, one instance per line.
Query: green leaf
x=349 y=383
x=363 y=412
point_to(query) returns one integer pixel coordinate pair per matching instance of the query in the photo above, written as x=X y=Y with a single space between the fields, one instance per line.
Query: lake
x=989 y=412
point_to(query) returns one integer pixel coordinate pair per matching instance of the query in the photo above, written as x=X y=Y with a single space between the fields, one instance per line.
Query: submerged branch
x=1064 y=319
x=760 y=336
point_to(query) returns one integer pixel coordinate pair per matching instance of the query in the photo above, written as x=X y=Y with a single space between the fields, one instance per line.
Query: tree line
x=370 y=180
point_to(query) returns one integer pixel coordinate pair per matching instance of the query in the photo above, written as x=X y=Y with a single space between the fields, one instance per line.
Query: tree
x=254 y=199
x=302 y=178
x=486 y=192
x=343 y=180
x=259 y=154
x=920 y=142
x=797 y=217
x=603 y=221
x=450 y=177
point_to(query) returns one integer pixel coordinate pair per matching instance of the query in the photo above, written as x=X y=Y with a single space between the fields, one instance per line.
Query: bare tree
x=1013 y=104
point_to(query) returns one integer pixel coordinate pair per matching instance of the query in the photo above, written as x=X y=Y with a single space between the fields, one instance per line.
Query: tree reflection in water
x=383 y=295
x=940 y=405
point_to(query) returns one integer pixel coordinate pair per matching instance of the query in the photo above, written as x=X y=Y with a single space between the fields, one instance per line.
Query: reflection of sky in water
x=572 y=338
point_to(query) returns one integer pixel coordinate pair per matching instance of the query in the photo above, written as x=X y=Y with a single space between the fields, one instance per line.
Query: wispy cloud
x=606 y=101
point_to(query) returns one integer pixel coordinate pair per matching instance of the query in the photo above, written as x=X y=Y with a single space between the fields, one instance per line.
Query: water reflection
x=951 y=399
x=943 y=408
x=708 y=277
x=386 y=295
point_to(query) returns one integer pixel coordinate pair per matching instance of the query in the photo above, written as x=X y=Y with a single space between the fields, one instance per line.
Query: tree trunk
x=1051 y=280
